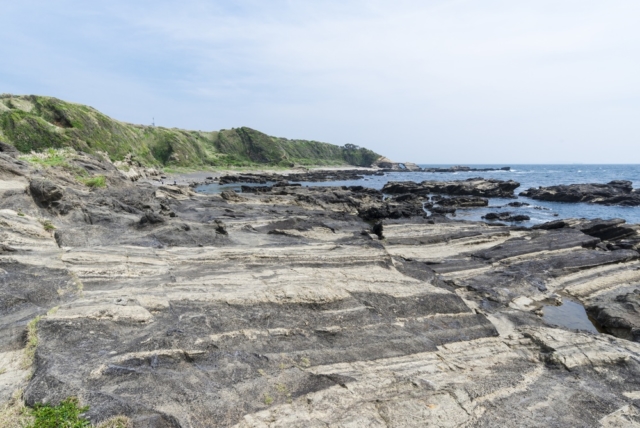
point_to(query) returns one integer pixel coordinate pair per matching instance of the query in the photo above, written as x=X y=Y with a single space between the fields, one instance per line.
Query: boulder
x=45 y=192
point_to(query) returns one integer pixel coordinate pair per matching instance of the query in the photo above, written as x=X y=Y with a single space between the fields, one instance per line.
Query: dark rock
x=463 y=202
x=619 y=315
x=607 y=230
x=556 y=224
x=9 y=150
x=459 y=168
x=556 y=239
x=506 y=216
x=518 y=204
x=618 y=192
x=377 y=230
x=220 y=228
x=44 y=192
x=472 y=187
x=150 y=217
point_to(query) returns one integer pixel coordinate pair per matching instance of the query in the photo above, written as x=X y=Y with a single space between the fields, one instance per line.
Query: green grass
x=36 y=123
x=49 y=157
x=94 y=182
x=47 y=225
x=67 y=414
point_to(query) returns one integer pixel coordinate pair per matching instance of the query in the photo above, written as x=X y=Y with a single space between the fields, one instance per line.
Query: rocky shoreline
x=296 y=306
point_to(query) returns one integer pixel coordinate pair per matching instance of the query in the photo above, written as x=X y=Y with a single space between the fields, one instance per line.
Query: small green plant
x=94 y=182
x=32 y=343
x=268 y=399
x=48 y=226
x=305 y=362
x=67 y=414
x=20 y=213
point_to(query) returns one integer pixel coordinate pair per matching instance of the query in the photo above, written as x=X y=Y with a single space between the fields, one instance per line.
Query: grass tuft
x=67 y=414
x=14 y=414
x=48 y=226
x=94 y=182
x=32 y=343
x=268 y=399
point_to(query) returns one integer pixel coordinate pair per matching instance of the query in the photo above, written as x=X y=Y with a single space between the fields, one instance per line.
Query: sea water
x=527 y=175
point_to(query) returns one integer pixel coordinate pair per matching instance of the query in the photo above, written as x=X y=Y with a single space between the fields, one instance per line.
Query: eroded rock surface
x=486 y=188
x=292 y=306
x=618 y=192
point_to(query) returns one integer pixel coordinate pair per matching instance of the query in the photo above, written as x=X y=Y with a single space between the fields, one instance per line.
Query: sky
x=426 y=81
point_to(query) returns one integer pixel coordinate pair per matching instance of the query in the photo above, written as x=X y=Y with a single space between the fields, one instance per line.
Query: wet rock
x=618 y=192
x=506 y=216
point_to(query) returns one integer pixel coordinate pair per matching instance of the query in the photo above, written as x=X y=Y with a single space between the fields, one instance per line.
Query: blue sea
x=528 y=176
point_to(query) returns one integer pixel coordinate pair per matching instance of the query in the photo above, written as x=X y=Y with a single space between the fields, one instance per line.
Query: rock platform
x=281 y=307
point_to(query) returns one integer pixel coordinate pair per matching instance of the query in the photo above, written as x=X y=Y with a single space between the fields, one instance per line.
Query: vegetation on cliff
x=36 y=123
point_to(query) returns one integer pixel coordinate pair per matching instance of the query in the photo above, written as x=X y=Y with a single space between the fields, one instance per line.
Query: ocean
x=527 y=175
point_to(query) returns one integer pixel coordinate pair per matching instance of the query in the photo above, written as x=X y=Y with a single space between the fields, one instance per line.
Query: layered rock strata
x=307 y=307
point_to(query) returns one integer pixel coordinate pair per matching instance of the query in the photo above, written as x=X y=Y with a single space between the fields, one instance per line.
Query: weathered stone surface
x=473 y=186
x=286 y=308
x=45 y=192
x=506 y=216
x=461 y=202
x=618 y=192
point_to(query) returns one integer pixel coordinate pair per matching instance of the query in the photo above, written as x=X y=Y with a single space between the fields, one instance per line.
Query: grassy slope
x=37 y=123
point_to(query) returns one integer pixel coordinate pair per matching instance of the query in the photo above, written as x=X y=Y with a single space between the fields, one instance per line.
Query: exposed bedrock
x=506 y=216
x=618 y=192
x=321 y=175
x=486 y=188
x=310 y=307
x=460 y=201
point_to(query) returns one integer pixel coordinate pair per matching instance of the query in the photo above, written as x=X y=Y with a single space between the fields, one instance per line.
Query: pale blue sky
x=459 y=81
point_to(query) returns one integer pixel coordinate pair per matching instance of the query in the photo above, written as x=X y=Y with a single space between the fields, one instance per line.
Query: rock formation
x=293 y=306
x=618 y=192
x=486 y=188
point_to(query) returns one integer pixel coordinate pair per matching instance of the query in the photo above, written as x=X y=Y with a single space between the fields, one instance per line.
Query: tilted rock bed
x=282 y=307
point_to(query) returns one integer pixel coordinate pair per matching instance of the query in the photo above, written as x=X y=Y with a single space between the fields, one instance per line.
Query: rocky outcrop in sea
x=618 y=192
